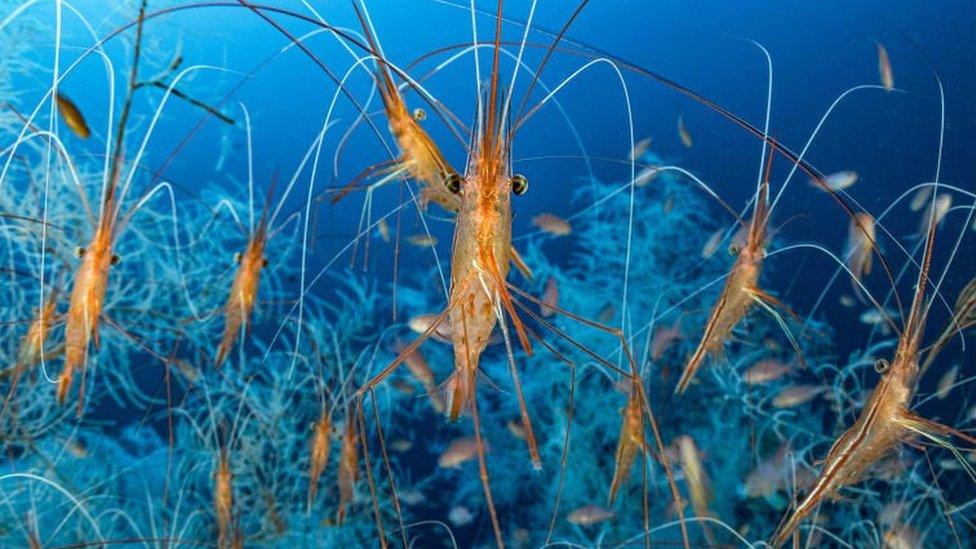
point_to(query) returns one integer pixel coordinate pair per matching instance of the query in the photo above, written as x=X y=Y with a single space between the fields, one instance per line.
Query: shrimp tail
x=461 y=386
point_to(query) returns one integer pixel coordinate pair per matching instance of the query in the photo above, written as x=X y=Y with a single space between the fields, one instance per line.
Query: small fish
x=859 y=249
x=846 y=301
x=946 y=382
x=460 y=516
x=77 y=448
x=921 y=198
x=72 y=117
x=550 y=297
x=421 y=323
x=663 y=338
x=384 y=230
x=711 y=246
x=839 y=181
x=411 y=497
x=401 y=445
x=516 y=428
x=552 y=224
x=697 y=480
x=937 y=208
x=640 y=148
x=187 y=370
x=884 y=68
x=683 y=132
x=765 y=371
x=403 y=386
x=795 y=395
x=422 y=240
x=874 y=316
x=459 y=451
x=646 y=175
x=589 y=515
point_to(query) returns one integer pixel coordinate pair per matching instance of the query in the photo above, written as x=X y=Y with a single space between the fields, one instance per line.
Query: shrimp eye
x=264 y=262
x=237 y=257
x=80 y=252
x=519 y=184
x=419 y=114
x=453 y=183
x=116 y=259
x=881 y=366
x=733 y=249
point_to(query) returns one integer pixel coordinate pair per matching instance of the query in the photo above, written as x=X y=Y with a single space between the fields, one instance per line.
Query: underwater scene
x=474 y=273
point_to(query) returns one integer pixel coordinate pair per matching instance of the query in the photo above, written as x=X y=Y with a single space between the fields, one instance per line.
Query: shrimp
x=244 y=289
x=887 y=418
x=348 y=464
x=31 y=349
x=87 y=299
x=223 y=498
x=420 y=158
x=631 y=442
x=319 y=453
x=741 y=289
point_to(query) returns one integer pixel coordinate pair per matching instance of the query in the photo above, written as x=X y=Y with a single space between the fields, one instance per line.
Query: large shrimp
x=886 y=419
x=420 y=157
x=741 y=290
x=88 y=292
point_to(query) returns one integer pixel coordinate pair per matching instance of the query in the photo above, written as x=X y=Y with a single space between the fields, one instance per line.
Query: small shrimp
x=88 y=298
x=223 y=498
x=741 y=289
x=420 y=157
x=239 y=306
x=348 y=464
x=244 y=290
x=319 y=453
x=631 y=442
x=31 y=349
x=886 y=419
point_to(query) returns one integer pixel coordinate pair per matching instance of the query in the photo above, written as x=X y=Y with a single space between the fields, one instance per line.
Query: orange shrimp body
x=223 y=498
x=738 y=295
x=348 y=466
x=320 y=450
x=630 y=443
x=420 y=156
x=885 y=420
x=479 y=264
x=87 y=300
x=243 y=292
x=883 y=423
x=32 y=344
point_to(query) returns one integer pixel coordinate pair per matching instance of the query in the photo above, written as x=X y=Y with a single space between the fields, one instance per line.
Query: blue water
x=134 y=455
